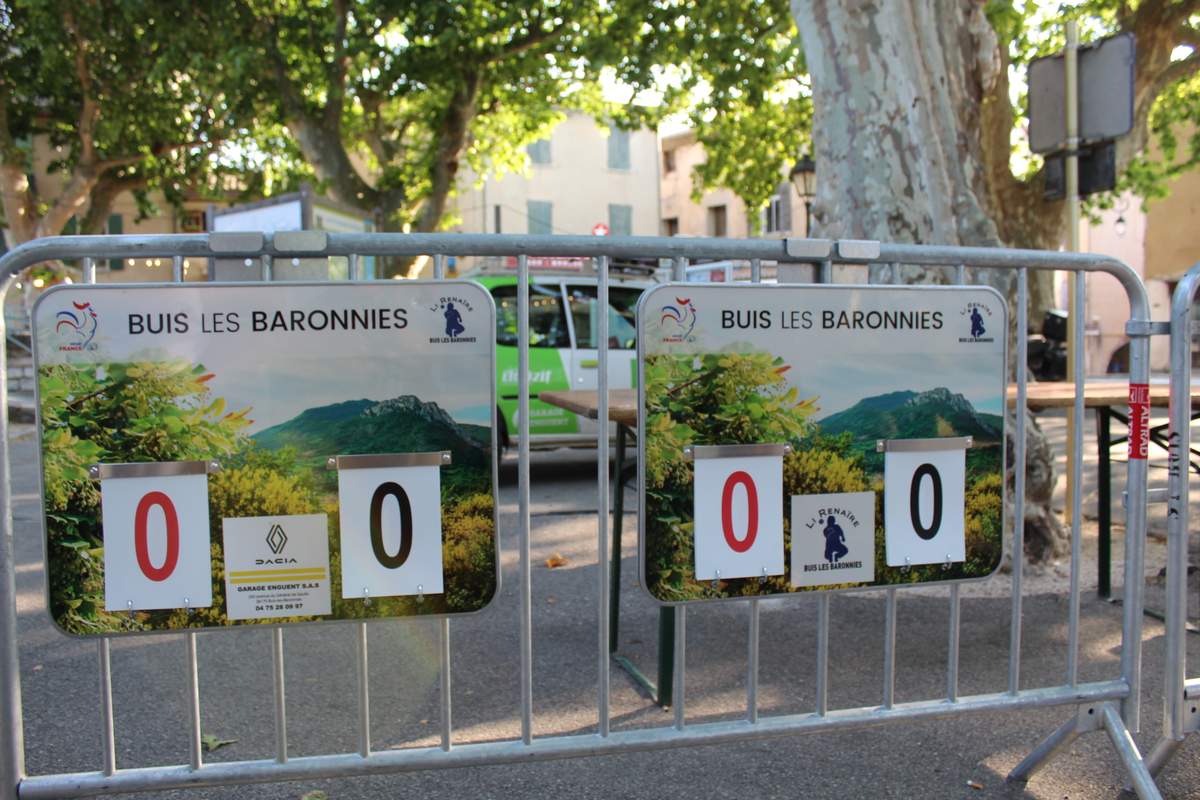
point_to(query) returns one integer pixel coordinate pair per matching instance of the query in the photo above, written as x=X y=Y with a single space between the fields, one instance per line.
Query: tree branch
x=161 y=149
x=522 y=44
x=319 y=137
x=103 y=194
x=1178 y=70
x=89 y=111
x=336 y=72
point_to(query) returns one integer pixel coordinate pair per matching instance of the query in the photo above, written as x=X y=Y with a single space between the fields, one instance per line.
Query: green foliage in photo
x=114 y=413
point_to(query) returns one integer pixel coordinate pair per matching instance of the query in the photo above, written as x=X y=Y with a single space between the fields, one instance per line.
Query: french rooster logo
x=677 y=321
x=78 y=327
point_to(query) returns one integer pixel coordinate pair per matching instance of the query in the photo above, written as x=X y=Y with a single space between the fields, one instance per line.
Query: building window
x=668 y=161
x=191 y=222
x=541 y=216
x=777 y=216
x=670 y=226
x=539 y=151
x=496 y=219
x=620 y=220
x=716 y=221
x=618 y=149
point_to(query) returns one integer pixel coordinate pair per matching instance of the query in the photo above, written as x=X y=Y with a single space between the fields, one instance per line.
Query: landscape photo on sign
x=269 y=382
x=829 y=371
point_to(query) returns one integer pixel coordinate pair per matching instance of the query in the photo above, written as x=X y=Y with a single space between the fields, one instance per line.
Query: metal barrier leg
x=1085 y=720
x=1123 y=743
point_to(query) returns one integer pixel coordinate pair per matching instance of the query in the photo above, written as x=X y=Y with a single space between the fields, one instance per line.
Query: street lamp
x=804 y=178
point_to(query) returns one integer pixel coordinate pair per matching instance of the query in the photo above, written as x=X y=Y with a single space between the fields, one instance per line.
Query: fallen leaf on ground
x=556 y=560
x=975 y=785
x=213 y=742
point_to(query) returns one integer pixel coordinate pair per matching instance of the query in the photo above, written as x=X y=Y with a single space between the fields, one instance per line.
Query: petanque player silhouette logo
x=454 y=323
x=977 y=328
x=835 y=541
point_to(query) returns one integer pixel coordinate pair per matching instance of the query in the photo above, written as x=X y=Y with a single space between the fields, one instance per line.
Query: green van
x=562 y=348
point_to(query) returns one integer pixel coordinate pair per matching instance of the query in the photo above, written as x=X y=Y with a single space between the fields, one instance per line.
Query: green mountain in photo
x=403 y=424
x=913 y=415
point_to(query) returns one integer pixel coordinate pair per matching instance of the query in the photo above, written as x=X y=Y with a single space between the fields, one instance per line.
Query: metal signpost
x=372 y=528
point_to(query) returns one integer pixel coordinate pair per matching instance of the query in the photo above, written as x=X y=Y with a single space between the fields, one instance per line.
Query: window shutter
x=620 y=220
x=541 y=216
x=618 y=149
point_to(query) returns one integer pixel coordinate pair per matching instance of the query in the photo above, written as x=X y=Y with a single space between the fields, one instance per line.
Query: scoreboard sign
x=798 y=438
x=222 y=455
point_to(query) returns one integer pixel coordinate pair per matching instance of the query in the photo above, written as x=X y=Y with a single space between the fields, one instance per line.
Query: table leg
x=1104 y=513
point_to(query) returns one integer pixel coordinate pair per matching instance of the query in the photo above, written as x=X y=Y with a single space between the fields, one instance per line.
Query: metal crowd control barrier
x=1181 y=695
x=1111 y=705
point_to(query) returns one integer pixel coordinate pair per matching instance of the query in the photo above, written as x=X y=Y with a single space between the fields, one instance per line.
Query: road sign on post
x=760 y=413
x=1105 y=94
x=256 y=390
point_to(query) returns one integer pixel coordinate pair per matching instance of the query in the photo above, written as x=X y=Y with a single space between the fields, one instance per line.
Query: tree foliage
x=386 y=102
x=129 y=95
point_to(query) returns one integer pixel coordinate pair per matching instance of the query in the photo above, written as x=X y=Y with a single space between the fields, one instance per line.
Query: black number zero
x=386 y=490
x=914 y=501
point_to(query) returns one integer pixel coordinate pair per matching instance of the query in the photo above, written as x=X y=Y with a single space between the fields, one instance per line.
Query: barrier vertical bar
x=364 y=690
x=1135 y=528
x=672 y=633
x=281 y=743
x=602 y=492
x=352 y=266
x=1017 y=553
x=523 y=497
x=177 y=269
x=823 y=655
x=826 y=271
x=680 y=664
x=952 y=649
x=1178 y=509
x=444 y=658
x=439 y=266
x=752 y=664
x=960 y=274
x=12 y=725
x=1076 y=488
x=107 y=737
x=195 y=751
x=89 y=270
x=267 y=267
x=753 y=635
x=889 y=649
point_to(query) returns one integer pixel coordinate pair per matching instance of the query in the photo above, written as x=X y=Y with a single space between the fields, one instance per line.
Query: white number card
x=156 y=536
x=391 y=524
x=924 y=500
x=738 y=511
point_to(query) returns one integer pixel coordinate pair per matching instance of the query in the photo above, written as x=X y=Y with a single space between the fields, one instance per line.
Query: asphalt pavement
x=961 y=757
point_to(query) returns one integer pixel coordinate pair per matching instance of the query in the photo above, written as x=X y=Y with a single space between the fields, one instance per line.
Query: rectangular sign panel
x=883 y=407
x=228 y=423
